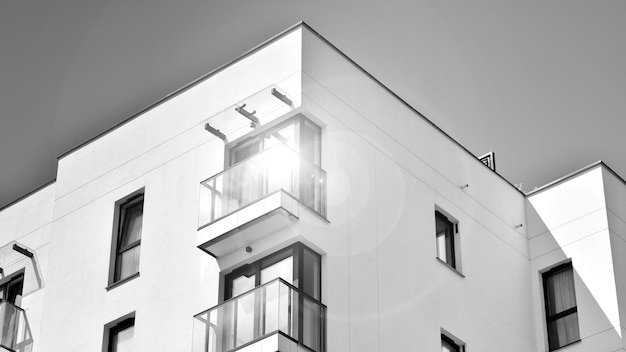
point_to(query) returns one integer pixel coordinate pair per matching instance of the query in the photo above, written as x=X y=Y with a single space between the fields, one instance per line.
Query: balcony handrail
x=259 y=155
x=2 y=301
x=289 y=285
x=274 y=169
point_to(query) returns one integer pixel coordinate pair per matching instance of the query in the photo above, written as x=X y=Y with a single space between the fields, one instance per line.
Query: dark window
x=445 y=239
x=11 y=289
x=448 y=345
x=128 y=240
x=561 y=309
x=121 y=336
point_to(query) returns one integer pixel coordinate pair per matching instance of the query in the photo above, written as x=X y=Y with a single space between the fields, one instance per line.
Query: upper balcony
x=273 y=317
x=260 y=189
x=14 y=330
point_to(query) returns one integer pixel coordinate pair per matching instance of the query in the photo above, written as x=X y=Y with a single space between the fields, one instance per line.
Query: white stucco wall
x=615 y=196
x=28 y=222
x=166 y=151
x=388 y=169
x=568 y=221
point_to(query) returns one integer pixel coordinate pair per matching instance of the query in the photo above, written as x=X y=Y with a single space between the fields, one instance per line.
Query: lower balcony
x=14 y=330
x=273 y=317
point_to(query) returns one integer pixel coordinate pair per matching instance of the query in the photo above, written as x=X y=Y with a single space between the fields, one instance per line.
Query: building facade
x=288 y=201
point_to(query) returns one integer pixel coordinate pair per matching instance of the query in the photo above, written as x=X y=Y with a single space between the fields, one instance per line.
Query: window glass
x=561 y=295
x=282 y=269
x=131 y=227
x=311 y=324
x=441 y=246
x=128 y=240
x=285 y=135
x=268 y=167
x=123 y=340
x=244 y=151
x=310 y=142
x=311 y=269
x=121 y=336
x=299 y=134
x=563 y=331
x=11 y=290
x=129 y=262
x=285 y=264
x=448 y=345
x=445 y=239
x=251 y=311
x=561 y=308
x=242 y=284
x=246 y=313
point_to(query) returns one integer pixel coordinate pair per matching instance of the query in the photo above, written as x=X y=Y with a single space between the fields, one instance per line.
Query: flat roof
x=573 y=174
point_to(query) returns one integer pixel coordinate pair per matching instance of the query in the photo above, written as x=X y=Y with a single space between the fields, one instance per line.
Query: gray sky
x=541 y=83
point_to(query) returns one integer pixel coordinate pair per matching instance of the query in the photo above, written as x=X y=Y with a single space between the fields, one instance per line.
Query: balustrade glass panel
x=246 y=318
x=242 y=284
x=272 y=307
x=14 y=329
x=282 y=269
x=311 y=318
x=286 y=158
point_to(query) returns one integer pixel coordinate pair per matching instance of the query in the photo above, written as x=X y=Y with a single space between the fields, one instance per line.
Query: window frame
x=545 y=276
x=260 y=134
x=305 y=141
x=121 y=209
x=297 y=252
x=113 y=328
x=450 y=344
x=452 y=241
x=13 y=281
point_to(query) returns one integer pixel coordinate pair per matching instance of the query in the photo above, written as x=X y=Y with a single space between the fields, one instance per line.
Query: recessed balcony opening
x=284 y=159
x=271 y=302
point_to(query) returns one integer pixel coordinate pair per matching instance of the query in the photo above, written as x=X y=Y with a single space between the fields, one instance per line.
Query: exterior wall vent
x=489 y=160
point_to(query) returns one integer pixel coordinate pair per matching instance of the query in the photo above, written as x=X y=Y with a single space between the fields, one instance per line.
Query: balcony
x=272 y=317
x=14 y=330
x=263 y=188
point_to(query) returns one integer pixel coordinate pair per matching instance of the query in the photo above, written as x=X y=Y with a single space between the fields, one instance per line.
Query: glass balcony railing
x=277 y=168
x=276 y=307
x=14 y=330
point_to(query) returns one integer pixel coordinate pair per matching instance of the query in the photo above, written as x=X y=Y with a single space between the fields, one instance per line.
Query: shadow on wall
x=584 y=242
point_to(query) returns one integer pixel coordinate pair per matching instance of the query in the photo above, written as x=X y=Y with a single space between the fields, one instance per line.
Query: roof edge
x=24 y=196
x=300 y=24
x=186 y=87
x=574 y=174
x=404 y=102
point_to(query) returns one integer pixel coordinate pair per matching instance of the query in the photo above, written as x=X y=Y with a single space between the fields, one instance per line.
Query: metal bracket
x=249 y=115
x=282 y=97
x=23 y=251
x=215 y=132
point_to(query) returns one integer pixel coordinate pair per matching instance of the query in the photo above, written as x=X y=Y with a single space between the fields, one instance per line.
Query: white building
x=288 y=201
